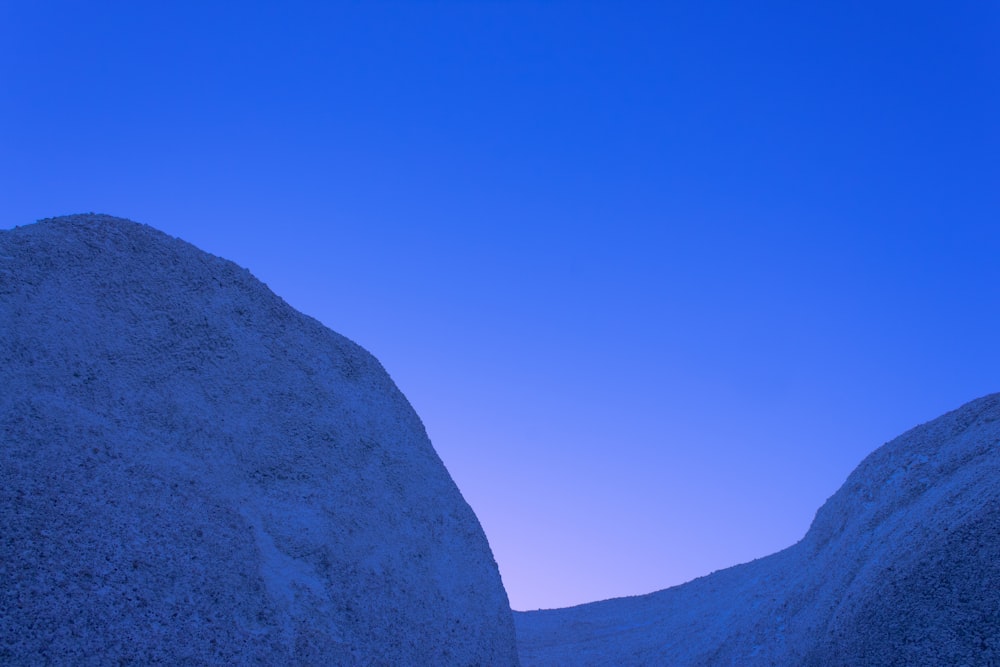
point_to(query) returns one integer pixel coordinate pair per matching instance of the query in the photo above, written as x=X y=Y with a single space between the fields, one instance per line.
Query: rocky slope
x=192 y=472
x=900 y=567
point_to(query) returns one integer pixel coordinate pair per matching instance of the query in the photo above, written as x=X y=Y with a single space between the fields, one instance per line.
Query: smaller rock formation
x=901 y=567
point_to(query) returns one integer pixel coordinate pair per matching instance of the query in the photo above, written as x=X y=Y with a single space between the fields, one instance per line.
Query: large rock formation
x=193 y=472
x=900 y=567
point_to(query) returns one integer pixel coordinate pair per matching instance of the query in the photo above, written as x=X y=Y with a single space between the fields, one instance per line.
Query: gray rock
x=901 y=567
x=192 y=472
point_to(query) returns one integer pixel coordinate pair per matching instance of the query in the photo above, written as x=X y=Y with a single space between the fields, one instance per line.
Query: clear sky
x=656 y=276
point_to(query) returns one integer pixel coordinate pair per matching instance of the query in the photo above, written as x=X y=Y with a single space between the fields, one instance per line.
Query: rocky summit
x=192 y=472
x=901 y=567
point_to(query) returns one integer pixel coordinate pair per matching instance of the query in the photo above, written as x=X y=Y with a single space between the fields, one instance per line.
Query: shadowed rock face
x=900 y=567
x=193 y=472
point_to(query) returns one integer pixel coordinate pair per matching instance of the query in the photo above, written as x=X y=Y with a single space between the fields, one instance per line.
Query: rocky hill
x=901 y=567
x=192 y=472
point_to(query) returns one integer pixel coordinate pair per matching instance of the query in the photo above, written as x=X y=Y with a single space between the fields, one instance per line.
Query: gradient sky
x=656 y=276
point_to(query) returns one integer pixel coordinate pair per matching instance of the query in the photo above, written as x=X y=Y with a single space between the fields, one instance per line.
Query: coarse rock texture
x=900 y=567
x=192 y=472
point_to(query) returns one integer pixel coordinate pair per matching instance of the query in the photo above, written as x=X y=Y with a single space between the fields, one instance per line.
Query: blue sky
x=656 y=276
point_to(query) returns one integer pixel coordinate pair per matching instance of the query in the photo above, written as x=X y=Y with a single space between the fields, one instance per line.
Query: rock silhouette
x=192 y=472
x=901 y=567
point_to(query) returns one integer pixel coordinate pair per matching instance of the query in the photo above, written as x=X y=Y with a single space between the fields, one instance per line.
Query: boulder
x=901 y=567
x=192 y=472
